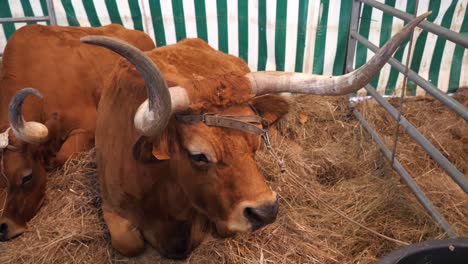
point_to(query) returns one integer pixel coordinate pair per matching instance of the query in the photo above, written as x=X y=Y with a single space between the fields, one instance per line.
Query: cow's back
x=68 y=73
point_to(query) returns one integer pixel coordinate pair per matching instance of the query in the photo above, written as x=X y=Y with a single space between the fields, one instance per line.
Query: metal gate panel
x=410 y=129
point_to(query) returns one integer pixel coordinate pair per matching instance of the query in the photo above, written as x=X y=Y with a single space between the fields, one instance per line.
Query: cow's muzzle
x=261 y=216
x=10 y=230
x=3 y=231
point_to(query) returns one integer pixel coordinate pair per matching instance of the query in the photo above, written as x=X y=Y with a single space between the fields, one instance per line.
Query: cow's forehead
x=242 y=109
x=14 y=163
x=209 y=76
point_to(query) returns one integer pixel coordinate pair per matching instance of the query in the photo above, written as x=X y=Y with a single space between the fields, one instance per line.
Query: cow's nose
x=262 y=215
x=3 y=231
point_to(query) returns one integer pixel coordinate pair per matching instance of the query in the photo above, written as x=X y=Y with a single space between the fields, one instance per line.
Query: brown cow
x=69 y=75
x=182 y=163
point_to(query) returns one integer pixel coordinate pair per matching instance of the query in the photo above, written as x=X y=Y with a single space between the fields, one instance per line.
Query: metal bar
x=422 y=198
x=403 y=90
x=448 y=34
x=429 y=87
x=23 y=19
x=51 y=18
x=51 y=11
x=451 y=170
x=353 y=26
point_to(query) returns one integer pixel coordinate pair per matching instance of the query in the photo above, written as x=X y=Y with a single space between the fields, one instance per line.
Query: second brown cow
x=68 y=76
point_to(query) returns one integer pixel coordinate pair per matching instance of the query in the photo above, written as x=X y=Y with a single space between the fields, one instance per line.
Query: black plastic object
x=445 y=251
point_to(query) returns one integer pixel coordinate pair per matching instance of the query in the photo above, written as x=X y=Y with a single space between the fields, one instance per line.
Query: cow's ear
x=160 y=150
x=142 y=150
x=148 y=150
x=270 y=107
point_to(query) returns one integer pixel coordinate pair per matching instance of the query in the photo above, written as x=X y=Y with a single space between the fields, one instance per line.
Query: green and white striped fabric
x=294 y=35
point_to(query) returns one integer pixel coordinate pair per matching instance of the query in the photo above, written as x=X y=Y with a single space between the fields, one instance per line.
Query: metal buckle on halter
x=266 y=138
x=204 y=115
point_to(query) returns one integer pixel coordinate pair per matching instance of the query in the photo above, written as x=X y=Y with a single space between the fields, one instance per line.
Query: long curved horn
x=152 y=115
x=30 y=132
x=278 y=82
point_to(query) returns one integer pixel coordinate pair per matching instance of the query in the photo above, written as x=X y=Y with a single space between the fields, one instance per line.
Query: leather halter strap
x=244 y=123
x=247 y=124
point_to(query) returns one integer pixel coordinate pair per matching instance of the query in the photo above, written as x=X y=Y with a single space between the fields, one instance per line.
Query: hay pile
x=340 y=200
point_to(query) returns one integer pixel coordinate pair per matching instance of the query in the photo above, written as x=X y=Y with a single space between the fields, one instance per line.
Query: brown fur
x=174 y=202
x=70 y=76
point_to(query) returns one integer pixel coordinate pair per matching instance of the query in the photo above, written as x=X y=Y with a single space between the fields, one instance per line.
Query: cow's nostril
x=261 y=216
x=252 y=215
x=3 y=231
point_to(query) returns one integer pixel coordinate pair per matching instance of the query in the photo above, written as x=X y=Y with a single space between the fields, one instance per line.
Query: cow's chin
x=38 y=207
x=236 y=223
x=230 y=228
x=19 y=230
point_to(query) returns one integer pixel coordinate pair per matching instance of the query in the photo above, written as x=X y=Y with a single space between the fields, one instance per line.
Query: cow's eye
x=27 y=179
x=199 y=158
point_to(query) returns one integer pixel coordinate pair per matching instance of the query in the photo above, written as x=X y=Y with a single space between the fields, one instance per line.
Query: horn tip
x=32 y=91
x=37 y=94
x=428 y=13
x=91 y=39
x=86 y=39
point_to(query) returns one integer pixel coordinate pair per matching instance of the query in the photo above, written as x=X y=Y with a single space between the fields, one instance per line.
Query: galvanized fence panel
x=356 y=37
x=8 y=19
x=294 y=35
x=435 y=59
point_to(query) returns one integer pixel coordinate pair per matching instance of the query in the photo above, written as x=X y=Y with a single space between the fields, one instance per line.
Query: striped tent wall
x=295 y=35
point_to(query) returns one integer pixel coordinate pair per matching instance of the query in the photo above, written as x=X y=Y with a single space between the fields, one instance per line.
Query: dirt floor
x=340 y=201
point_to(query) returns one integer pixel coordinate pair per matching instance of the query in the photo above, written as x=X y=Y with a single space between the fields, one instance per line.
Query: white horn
x=304 y=83
x=153 y=115
x=30 y=132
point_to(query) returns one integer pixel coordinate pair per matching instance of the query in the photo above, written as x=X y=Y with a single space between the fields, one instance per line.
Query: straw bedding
x=340 y=200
